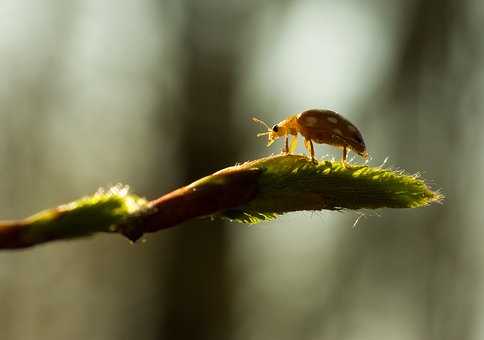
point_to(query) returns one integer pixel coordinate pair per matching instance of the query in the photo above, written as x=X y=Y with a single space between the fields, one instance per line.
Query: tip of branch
x=291 y=183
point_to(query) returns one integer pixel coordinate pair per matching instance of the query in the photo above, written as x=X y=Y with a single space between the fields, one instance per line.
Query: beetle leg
x=312 y=150
x=293 y=144
x=286 y=145
x=345 y=152
x=310 y=147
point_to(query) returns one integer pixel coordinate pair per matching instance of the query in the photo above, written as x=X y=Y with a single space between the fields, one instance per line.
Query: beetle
x=318 y=126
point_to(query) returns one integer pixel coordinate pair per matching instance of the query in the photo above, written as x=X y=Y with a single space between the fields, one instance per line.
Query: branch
x=249 y=193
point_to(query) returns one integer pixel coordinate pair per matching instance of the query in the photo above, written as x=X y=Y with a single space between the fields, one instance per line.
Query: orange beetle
x=319 y=126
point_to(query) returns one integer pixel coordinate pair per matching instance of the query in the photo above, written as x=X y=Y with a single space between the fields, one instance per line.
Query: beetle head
x=272 y=133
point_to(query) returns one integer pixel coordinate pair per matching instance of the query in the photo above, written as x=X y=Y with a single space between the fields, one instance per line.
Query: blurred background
x=155 y=94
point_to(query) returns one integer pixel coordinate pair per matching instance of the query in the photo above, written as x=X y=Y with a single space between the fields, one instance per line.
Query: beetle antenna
x=261 y=122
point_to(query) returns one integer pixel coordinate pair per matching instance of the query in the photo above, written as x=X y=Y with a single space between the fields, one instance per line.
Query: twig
x=247 y=193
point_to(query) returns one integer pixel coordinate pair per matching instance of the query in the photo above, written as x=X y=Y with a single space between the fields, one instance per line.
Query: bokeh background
x=155 y=94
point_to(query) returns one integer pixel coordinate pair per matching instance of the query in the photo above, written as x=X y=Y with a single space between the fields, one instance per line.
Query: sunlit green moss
x=100 y=212
x=291 y=183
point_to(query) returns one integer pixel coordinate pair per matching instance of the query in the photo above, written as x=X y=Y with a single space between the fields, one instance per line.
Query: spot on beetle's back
x=337 y=131
x=311 y=121
x=318 y=119
x=351 y=128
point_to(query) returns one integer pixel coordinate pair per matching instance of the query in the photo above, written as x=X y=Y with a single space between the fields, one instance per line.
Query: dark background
x=155 y=94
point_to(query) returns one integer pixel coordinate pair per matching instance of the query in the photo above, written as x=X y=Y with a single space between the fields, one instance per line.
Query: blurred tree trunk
x=197 y=302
